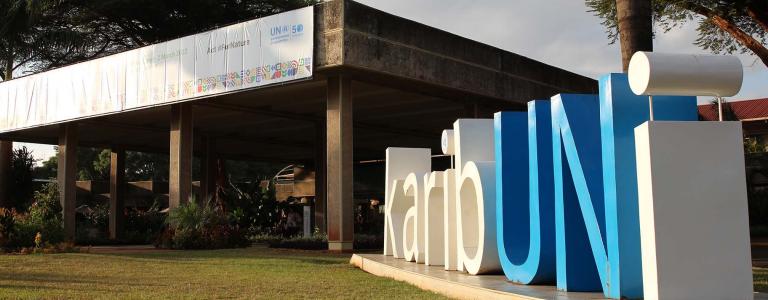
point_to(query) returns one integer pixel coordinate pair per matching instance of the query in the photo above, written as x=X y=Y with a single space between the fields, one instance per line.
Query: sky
x=561 y=33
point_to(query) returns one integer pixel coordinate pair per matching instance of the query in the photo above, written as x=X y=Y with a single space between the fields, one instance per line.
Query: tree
x=635 y=26
x=724 y=26
x=135 y=23
x=38 y=35
x=21 y=176
x=48 y=168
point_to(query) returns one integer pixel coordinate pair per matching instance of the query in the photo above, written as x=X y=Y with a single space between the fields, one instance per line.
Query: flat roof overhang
x=409 y=82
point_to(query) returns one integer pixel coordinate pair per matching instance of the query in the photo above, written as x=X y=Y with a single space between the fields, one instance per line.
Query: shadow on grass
x=39 y=278
x=204 y=256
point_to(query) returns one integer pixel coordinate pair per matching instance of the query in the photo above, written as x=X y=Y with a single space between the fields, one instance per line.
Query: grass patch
x=252 y=273
x=761 y=279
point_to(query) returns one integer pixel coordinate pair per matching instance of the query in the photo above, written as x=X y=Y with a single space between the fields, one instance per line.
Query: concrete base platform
x=459 y=285
x=464 y=286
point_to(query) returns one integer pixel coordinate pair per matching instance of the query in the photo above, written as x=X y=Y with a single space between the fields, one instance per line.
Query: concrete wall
x=353 y=35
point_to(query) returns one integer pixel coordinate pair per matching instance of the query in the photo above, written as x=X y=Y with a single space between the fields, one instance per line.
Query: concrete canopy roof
x=410 y=82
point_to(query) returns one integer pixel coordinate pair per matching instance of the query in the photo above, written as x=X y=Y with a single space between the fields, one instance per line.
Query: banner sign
x=251 y=54
x=550 y=196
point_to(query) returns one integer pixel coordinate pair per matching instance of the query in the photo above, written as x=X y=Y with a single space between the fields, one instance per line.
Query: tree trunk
x=8 y=69
x=635 y=28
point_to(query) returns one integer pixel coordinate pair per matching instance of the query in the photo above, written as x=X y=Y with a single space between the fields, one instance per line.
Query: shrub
x=314 y=242
x=22 y=166
x=7 y=226
x=143 y=227
x=317 y=241
x=195 y=226
x=254 y=206
x=93 y=225
x=18 y=230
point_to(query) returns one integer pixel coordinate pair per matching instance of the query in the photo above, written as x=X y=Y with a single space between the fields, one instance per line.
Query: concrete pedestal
x=693 y=210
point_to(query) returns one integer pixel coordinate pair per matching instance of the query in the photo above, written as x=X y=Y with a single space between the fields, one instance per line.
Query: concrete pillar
x=117 y=194
x=339 y=164
x=180 y=162
x=6 y=158
x=307 y=220
x=67 y=175
x=320 y=209
x=208 y=169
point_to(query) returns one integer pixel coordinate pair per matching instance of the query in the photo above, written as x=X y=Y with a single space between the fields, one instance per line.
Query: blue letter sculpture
x=596 y=207
x=620 y=112
x=579 y=211
x=524 y=202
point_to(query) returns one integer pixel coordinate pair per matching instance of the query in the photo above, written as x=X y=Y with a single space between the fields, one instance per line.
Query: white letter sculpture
x=476 y=196
x=400 y=163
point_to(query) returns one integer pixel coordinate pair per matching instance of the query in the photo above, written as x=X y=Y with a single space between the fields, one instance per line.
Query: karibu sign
x=582 y=192
x=256 y=53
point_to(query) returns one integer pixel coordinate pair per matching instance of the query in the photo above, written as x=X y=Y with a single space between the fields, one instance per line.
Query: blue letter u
x=525 y=213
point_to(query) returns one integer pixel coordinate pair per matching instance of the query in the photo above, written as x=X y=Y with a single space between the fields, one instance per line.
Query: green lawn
x=242 y=273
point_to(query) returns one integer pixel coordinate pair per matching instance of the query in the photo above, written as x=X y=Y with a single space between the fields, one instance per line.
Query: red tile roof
x=744 y=110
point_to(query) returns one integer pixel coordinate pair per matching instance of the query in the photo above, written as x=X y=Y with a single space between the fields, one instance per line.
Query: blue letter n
x=582 y=262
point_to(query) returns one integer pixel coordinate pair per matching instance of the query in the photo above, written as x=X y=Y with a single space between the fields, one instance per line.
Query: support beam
x=180 y=163
x=117 y=193
x=6 y=159
x=320 y=195
x=339 y=164
x=67 y=175
x=208 y=169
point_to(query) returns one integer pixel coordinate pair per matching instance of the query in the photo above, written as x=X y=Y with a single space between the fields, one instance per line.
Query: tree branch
x=728 y=26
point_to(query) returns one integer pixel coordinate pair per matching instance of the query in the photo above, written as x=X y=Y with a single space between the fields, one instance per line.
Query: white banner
x=251 y=54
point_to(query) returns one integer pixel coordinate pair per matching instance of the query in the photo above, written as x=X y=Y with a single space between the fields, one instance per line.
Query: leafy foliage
x=43 y=217
x=143 y=227
x=748 y=16
x=255 y=207
x=40 y=34
x=201 y=226
x=22 y=166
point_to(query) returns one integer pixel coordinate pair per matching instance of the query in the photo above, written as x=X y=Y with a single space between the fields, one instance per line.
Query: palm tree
x=635 y=28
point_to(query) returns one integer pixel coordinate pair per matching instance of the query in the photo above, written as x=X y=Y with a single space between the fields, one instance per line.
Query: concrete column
x=339 y=164
x=180 y=163
x=208 y=169
x=67 y=175
x=6 y=158
x=117 y=194
x=320 y=209
x=307 y=220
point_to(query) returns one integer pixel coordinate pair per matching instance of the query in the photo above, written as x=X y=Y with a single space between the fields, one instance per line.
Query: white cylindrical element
x=446 y=142
x=685 y=74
